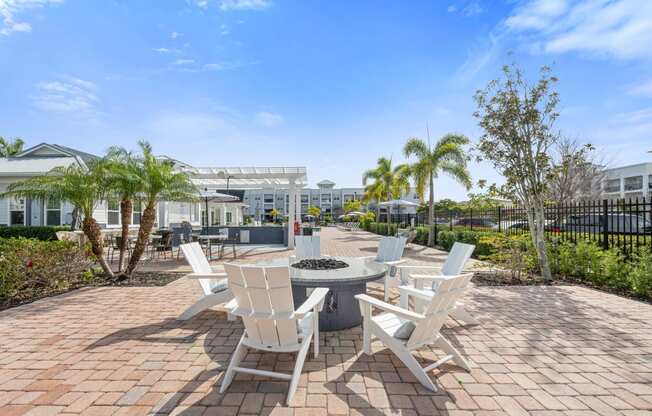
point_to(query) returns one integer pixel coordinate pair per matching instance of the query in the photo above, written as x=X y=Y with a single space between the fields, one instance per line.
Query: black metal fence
x=625 y=224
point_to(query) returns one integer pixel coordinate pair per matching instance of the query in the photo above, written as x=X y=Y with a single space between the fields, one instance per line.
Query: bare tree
x=577 y=172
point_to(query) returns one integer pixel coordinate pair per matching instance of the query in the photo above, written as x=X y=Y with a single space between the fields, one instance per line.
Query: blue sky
x=330 y=85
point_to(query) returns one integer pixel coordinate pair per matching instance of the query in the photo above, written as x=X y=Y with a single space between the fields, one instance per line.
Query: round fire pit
x=320 y=264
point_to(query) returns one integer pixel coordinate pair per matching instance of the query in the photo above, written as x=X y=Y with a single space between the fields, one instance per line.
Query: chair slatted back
x=307 y=246
x=264 y=297
x=390 y=248
x=440 y=306
x=199 y=264
x=456 y=261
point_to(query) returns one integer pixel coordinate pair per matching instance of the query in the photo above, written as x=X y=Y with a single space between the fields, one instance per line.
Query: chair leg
x=199 y=306
x=365 y=310
x=238 y=355
x=413 y=365
x=298 y=366
x=387 y=287
x=315 y=325
x=449 y=349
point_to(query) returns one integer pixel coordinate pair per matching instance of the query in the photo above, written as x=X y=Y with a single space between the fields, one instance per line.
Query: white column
x=223 y=213
x=291 y=217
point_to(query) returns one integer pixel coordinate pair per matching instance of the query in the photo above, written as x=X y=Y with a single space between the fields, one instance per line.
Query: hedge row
x=46 y=233
x=30 y=268
x=584 y=261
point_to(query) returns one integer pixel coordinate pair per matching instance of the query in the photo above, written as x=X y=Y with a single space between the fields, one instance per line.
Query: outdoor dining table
x=341 y=309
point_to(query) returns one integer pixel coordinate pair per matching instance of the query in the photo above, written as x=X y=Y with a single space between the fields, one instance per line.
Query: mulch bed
x=138 y=279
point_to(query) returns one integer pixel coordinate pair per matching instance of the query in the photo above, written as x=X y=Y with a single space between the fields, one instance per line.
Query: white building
x=40 y=159
x=628 y=182
x=326 y=196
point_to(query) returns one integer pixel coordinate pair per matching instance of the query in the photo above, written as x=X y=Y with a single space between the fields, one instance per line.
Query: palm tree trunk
x=431 y=212
x=94 y=234
x=146 y=224
x=126 y=209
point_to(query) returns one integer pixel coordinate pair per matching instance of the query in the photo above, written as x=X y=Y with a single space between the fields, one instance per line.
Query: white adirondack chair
x=214 y=285
x=454 y=265
x=307 y=246
x=388 y=325
x=390 y=251
x=263 y=298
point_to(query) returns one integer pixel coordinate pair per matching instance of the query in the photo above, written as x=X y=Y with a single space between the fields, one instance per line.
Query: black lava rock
x=320 y=264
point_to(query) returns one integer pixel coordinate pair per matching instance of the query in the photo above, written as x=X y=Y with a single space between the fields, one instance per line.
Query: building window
x=304 y=199
x=137 y=212
x=612 y=185
x=268 y=198
x=649 y=182
x=634 y=183
x=53 y=213
x=325 y=198
x=194 y=212
x=113 y=212
x=16 y=211
x=348 y=197
x=229 y=217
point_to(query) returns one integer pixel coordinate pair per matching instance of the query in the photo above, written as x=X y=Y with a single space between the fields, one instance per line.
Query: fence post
x=500 y=217
x=471 y=220
x=605 y=224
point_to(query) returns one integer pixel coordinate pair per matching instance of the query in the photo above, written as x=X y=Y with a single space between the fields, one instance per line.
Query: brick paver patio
x=559 y=350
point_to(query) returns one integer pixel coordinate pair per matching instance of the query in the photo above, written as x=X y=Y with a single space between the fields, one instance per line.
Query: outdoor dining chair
x=421 y=275
x=263 y=299
x=404 y=331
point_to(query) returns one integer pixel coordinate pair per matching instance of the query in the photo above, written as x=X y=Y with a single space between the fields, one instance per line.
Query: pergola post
x=291 y=213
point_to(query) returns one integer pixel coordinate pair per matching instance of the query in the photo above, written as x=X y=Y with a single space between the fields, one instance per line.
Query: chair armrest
x=417 y=293
x=417 y=267
x=429 y=277
x=394 y=263
x=404 y=313
x=214 y=276
x=314 y=301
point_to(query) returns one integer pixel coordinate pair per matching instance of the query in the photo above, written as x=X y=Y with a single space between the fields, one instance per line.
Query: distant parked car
x=524 y=225
x=476 y=222
x=617 y=223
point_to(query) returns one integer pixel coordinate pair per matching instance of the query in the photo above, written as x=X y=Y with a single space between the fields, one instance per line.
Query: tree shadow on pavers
x=218 y=338
x=553 y=321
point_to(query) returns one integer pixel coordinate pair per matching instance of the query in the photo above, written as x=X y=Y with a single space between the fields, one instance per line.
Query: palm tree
x=158 y=180
x=388 y=182
x=124 y=182
x=9 y=148
x=448 y=156
x=84 y=188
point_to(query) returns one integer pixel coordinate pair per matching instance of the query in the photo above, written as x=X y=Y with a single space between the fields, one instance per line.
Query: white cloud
x=268 y=119
x=224 y=29
x=184 y=62
x=472 y=9
x=643 y=88
x=213 y=67
x=65 y=95
x=9 y=9
x=469 y=9
x=617 y=28
x=166 y=50
x=175 y=35
x=226 y=5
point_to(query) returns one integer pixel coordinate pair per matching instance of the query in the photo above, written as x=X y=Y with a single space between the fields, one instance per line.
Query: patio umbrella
x=214 y=196
x=396 y=203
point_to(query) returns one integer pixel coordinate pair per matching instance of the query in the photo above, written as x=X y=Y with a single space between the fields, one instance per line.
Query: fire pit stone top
x=320 y=264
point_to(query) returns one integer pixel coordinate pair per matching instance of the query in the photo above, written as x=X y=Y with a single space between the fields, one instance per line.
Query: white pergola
x=290 y=178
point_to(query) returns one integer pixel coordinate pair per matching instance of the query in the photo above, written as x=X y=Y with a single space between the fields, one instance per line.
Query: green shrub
x=46 y=233
x=483 y=246
x=31 y=268
x=640 y=275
